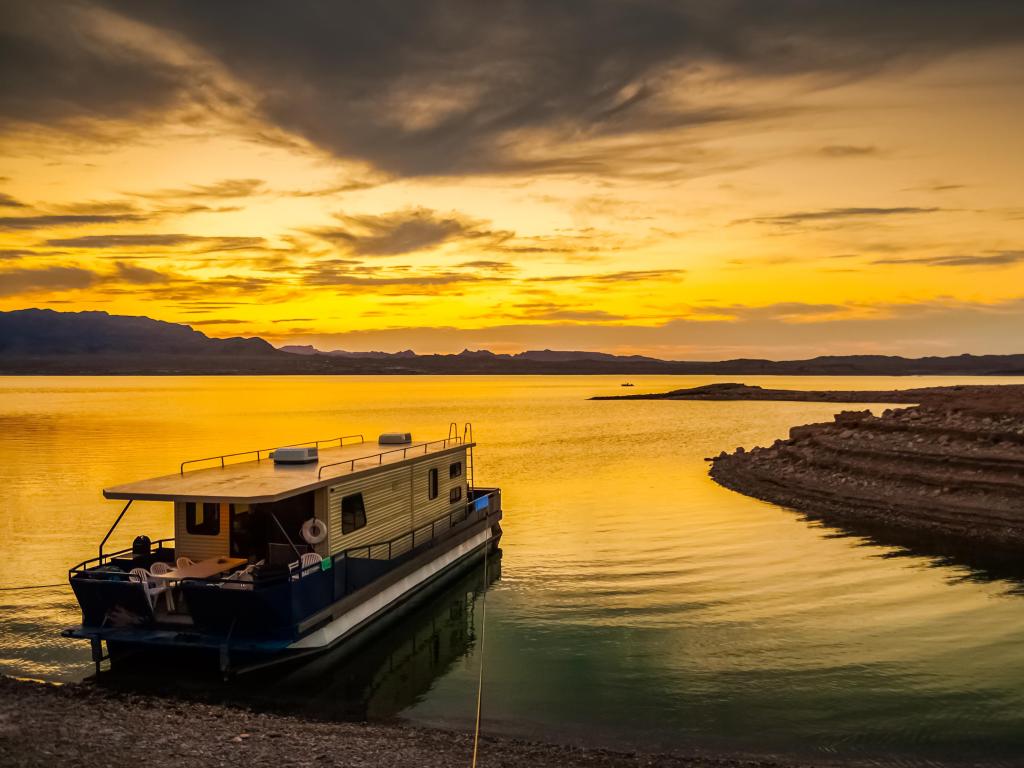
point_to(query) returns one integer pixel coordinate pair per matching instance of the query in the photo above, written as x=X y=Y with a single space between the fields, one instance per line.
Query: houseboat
x=287 y=551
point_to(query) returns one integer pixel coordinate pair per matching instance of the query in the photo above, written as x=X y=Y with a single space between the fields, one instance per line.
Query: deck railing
x=380 y=456
x=105 y=559
x=258 y=453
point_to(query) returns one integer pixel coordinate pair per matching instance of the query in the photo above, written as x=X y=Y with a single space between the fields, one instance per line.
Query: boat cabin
x=295 y=547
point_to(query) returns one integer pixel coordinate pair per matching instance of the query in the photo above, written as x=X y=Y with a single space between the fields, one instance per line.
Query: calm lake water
x=636 y=603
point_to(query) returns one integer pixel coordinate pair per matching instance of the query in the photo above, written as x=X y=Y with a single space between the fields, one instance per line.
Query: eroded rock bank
x=952 y=466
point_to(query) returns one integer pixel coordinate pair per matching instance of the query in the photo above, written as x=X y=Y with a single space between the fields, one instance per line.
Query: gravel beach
x=81 y=724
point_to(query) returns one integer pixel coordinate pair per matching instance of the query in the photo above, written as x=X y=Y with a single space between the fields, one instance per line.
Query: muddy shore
x=81 y=724
x=951 y=466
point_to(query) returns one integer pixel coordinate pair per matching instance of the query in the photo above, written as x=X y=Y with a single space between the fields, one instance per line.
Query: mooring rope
x=480 y=678
x=33 y=586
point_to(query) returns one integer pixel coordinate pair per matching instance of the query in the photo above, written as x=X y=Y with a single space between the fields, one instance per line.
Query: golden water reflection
x=639 y=602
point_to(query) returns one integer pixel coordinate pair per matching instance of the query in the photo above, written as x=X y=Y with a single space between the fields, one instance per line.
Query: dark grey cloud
x=168 y=240
x=998 y=259
x=43 y=221
x=460 y=86
x=56 y=65
x=6 y=201
x=133 y=273
x=14 y=253
x=399 y=232
x=30 y=279
x=835 y=214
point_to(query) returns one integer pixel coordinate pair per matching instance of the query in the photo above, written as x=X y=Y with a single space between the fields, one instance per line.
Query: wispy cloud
x=223 y=189
x=6 y=201
x=836 y=214
x=406 y=231
x=47 y=221
x=848 y=150
x=999 y=259
x=163 y=240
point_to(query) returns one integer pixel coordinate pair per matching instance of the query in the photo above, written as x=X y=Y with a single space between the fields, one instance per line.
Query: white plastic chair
x=184 y=562
x=305 y=564
x=151 y=588
x=159 y=568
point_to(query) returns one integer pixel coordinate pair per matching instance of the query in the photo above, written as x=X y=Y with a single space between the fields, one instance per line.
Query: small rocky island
x=735 y=391
x=952 y=465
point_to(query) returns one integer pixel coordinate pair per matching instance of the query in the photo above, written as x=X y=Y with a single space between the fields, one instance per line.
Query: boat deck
x=262 y=481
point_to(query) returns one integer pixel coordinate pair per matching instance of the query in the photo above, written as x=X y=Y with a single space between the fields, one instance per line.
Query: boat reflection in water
x=375 y=676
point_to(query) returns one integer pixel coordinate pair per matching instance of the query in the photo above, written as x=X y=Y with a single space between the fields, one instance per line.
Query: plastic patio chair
x=151 y=588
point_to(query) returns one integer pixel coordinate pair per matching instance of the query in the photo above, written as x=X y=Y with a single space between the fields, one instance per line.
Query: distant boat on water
x=627 y=384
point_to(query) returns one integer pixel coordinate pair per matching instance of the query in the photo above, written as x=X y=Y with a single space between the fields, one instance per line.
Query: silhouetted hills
x=46 y=332
x=43 y=341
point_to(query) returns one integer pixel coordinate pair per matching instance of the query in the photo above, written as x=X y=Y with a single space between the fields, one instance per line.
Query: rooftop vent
x=395 y=438
x=295 y=456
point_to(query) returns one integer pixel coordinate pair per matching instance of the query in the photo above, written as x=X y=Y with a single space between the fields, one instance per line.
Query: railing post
x=116 y=522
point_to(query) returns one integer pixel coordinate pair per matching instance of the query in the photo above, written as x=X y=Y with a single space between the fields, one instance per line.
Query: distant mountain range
x=43 y=341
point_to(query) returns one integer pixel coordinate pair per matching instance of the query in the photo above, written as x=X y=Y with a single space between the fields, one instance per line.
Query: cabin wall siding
x=425 y=508
x=396 y=502
x=388 y=505
x=200 y=547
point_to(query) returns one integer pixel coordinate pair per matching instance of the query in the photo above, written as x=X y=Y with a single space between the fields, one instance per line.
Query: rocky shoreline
x=735 y=391
x=952 y=466
x=82 y=724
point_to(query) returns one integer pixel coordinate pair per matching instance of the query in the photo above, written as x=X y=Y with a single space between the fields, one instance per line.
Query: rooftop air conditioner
x=395 y=438
x=294 y=456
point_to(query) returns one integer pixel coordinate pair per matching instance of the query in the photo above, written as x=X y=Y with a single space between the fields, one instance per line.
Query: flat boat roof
x=263 y=481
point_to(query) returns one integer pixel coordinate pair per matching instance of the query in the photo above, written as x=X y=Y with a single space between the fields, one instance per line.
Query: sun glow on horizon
x=452 y=186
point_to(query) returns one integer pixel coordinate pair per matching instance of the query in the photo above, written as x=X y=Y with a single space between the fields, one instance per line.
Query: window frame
x=433 y=483
x=209 y=525
x=353 y=519
x=455 y=495
x=454 y=470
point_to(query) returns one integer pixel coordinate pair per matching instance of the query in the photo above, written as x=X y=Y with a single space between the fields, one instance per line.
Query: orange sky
x=684 y=180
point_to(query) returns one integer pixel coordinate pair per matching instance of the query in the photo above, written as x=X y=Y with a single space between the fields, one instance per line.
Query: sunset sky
x=690 y=180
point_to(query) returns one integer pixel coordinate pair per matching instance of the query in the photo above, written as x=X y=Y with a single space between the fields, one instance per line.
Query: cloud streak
x=400 y=232
x=836 y=214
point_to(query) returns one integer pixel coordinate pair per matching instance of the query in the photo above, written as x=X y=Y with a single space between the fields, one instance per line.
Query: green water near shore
x=638 y=603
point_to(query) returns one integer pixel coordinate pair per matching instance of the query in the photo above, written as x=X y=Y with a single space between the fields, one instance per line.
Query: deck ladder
x=467 y=439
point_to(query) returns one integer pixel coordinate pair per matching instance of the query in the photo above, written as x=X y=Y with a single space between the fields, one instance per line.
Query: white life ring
x=314 y=531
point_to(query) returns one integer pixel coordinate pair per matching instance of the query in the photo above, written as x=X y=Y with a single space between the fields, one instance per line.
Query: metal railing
x=260 y=451
x=97 y=562
x=380 y=456
x=476 y=509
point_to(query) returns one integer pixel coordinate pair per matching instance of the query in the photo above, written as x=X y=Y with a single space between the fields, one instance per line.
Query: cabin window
x=455 y=494
x=202 y=519
x=353 y=513
x=455 y=470
x=432 y=484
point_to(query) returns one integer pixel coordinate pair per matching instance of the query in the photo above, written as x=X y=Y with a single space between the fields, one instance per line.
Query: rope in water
x=480 y=678
x=33 y=586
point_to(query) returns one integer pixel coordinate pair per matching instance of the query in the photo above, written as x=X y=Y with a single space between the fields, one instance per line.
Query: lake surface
x=636 y=603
